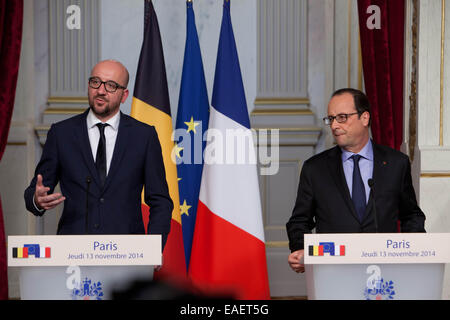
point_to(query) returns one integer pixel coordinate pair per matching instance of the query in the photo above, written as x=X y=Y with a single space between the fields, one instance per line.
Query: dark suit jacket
x=324 y=201
x=114 y=208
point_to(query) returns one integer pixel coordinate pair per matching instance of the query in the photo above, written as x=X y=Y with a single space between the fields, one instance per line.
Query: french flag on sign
x=38 y=251
x=332 y=249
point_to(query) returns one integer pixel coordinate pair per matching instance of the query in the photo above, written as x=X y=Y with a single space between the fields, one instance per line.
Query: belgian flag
x=151 y=105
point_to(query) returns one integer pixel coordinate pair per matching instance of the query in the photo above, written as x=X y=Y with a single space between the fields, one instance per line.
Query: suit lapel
x=337 y=172
x=379 y=166
x=82 y=138
x=379 y=162
x=119 y=148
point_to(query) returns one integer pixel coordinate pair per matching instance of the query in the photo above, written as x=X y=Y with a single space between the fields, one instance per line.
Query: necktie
x=358 y=189
x=100 y=160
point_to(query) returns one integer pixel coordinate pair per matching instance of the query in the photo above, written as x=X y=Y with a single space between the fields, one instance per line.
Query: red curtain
x=382 y=58
x=11 y=16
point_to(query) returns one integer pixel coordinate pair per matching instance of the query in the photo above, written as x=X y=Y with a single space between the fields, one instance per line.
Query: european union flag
x=328 y=247
x=33 y=250
x=192 y=121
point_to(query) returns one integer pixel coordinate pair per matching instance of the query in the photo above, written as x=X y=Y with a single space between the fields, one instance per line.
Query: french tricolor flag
x=228 y=250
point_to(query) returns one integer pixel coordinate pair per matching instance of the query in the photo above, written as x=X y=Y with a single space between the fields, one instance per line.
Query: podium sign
x=82 y=266
x=89 y=250
x=376 y=266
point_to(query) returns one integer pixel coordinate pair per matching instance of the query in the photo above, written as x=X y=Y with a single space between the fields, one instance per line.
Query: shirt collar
x=366 y=152
x=92 y=120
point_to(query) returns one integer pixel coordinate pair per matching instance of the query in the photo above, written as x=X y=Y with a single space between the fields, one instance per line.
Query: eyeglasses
x=340 y=118
x=110 y=86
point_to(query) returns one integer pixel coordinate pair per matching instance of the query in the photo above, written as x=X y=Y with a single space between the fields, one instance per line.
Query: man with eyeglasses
x=103 y=159
x=340 y=187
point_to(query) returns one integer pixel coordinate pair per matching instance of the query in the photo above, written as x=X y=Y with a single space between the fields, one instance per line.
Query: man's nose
x=334 y=124
x=102 y=89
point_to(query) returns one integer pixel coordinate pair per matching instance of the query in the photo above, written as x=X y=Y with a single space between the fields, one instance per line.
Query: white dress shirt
x=110 y=135
x=365 y=167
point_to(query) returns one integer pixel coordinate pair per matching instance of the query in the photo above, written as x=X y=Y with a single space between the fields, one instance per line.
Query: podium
x=82 y=267
x=382 y=266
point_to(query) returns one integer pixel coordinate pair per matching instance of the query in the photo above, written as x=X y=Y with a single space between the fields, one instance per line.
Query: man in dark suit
x=102 y=160
x=339 y=187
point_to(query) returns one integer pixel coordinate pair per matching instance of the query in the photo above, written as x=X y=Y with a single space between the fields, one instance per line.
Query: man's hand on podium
x=296 y=261
x=158 y=268
x=44 y=201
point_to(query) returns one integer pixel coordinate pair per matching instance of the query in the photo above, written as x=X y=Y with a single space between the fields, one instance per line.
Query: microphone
x=88 y=182
x=371 y=184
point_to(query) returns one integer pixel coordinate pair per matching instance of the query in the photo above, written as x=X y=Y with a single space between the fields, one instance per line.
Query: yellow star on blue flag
x=191 y=125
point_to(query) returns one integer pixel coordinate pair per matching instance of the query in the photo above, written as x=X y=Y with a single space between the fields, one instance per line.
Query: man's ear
x=365 y=116
x=125 y=95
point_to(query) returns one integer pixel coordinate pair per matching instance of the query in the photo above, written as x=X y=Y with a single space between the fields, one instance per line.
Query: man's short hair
x=359 y=98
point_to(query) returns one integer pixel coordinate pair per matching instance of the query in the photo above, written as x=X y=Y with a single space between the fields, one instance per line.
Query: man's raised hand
x=42 y=199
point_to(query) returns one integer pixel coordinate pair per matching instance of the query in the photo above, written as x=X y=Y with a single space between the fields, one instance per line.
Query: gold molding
x=72 y=100
x=261 y=112
x=42 y=128
x=277 y=244
x=441 y=106
x=360 y=73
x=64 y=110
x=298 y=144
x=302 y=129
x=259 y=101
x=435 y=175
x=41 y=131
x=349 y=43
x=16 y=143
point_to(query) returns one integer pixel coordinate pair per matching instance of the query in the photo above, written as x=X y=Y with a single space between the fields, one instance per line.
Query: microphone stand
x=371 y=184
x=88 y=182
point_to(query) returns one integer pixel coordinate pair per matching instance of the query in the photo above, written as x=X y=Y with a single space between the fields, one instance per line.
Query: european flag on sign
x=192 y=122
